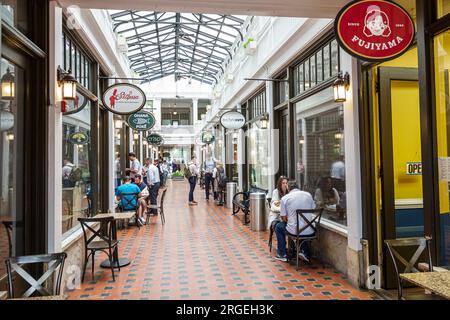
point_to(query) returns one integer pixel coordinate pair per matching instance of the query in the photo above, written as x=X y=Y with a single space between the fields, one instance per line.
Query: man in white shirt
x=338 y=169
x=153 y=182
x=192 y=167
x=208 y=168
x=290 y=203
x=118 y=170
x=66 y=171
x=135 y=167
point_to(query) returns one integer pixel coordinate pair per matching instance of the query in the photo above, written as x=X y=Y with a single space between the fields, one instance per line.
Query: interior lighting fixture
x=68 y=84
x=8 y=86
x=340 y=86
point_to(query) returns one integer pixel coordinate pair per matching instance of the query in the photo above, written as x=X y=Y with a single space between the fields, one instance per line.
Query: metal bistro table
x=117 y=216
x=436 y=282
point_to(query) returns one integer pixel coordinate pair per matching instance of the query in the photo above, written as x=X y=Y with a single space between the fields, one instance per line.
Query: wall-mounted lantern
x=264 y=122
x=68 y=84
x=8 y=86
x=136 y=136
x=118 y=124
x=340 y=86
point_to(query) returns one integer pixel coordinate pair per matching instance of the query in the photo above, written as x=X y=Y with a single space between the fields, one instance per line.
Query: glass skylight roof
x=185 y=45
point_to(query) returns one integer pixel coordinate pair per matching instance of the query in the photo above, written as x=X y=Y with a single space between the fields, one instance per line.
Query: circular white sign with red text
x=374 y=30
x=124 y=98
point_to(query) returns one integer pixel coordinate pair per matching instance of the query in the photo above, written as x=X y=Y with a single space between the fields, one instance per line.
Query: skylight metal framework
x=186 y=45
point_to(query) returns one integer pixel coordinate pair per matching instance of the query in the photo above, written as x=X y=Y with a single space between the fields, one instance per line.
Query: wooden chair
x=16 y=265
x=159 y=207
x=314 y=224
x=128 y=200
x=99 y=240
x=421 y=244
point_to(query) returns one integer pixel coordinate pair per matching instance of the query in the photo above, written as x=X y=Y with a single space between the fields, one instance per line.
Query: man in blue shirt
x=130 y=202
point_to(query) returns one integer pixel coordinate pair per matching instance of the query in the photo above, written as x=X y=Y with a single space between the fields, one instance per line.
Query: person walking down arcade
x=190 y=174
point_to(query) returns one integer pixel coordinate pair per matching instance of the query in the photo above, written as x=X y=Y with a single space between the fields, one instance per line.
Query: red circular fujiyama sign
x=374 y=30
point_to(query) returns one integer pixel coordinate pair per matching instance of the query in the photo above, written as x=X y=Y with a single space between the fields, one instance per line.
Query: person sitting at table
x=144 y=191
x=280 y=191
x=290 y=203
x=326 y=196
x=127 y=201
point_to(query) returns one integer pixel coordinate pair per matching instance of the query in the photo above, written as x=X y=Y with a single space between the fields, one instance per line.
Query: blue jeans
x=208 y=182
x=280 y=231
x=192 y=183
x=154 y=195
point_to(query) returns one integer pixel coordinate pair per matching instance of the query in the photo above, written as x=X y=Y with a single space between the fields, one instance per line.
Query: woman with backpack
x=219 y=182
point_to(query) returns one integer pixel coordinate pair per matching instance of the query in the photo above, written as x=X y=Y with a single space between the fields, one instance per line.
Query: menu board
x=444 y=168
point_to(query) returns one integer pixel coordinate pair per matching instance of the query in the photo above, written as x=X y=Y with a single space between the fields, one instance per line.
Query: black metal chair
x=314 y=223
x=128 y=200
x=37 y=287
x=8 y=227
x=98 y=240
x=422 y=244
x=159 y=207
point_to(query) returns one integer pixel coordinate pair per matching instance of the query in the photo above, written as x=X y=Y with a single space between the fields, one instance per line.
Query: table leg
x=122 y=262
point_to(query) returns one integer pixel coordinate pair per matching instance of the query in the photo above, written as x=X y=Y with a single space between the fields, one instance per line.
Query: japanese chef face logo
x=376 y=22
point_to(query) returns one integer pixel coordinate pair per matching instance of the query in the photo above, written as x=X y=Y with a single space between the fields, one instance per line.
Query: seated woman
x=281 y=190
x=326 y=196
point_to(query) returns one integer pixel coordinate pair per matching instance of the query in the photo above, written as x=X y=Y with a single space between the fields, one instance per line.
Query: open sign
x=414 y=168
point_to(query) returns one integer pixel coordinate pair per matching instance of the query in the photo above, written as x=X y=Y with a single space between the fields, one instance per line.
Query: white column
x=352 y=158
x=54 y=135
x=194 y=111
x=273 y=161
x=157 y=113
x=111 y=161
x=141 y=149
x=240 y=154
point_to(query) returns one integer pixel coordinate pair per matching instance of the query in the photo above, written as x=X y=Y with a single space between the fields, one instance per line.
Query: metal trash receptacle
x=231 y=191
x=258 y=211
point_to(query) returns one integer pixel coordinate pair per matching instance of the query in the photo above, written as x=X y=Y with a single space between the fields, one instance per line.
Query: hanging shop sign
x=207 y=137
x=6 y=120
x=232 y=120
x=79 y=138
x=414 y=168
x=124 y=98
x=141 y=121
x=155 y=139
x=73 y=106
x=374 y=30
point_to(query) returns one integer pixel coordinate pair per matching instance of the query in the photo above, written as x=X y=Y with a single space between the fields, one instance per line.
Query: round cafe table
x=118 y=262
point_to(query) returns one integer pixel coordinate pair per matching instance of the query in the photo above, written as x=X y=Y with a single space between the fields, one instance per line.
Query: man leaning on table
x=290 y=203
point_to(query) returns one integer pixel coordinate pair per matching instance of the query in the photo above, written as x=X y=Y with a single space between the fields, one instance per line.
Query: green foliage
x=246 y=43
x=177 y=173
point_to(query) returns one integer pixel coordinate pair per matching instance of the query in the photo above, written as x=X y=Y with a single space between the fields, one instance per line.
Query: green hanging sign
x=208 y=137
x=141 y=121
x=155 y=139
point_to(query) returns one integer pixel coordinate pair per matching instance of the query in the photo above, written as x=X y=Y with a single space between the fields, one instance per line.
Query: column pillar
x=194 y=111
x=273 y=161
x=240 y=153
x=157 y=113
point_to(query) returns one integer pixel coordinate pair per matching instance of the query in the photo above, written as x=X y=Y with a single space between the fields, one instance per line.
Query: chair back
x=162 y=200
x=129 y=200
x=17 y=264
x=8 y=227
x=394 y=245
x=104 y=232
x=314 y=223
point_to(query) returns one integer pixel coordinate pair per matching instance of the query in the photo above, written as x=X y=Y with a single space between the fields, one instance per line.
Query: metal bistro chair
x=421 y=243
x=16 y=265
x=130 y=200
x=313 y=223
x=159 y=207
x=8 y=227
x=99 y=240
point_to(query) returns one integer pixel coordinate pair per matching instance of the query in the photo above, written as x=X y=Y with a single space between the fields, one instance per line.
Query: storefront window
x=11 y=211
x=442 y=67
x=257 y=155
x=320 y=167
x=443 y=8
x=76 y=173
x=15 y=12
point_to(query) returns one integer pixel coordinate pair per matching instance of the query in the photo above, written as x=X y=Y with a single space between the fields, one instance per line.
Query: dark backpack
x=221 y=178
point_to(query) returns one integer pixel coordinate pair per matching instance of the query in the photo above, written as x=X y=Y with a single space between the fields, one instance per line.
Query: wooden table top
x=59 y=297
x=437 y=282
x=117 y=215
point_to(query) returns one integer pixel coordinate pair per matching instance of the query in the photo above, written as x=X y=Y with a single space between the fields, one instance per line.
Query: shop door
x=401 y=175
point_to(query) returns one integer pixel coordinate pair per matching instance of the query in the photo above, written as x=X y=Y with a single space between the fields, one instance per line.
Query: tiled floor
x=203 y=252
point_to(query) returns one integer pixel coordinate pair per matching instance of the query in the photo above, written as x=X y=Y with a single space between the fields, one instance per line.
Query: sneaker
x=303 y=256
x=280 y=258
x=195 y=202
x=142 y=220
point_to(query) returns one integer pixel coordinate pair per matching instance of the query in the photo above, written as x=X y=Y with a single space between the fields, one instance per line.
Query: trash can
x=231 y=191
x=258 y=211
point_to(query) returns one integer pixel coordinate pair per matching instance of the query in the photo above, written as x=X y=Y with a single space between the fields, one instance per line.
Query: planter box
x=177 y=178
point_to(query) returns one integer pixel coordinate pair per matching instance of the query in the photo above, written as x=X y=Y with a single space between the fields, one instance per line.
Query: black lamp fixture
x=8 y=86
x=264 y=121
x=68 y=84
x=340 y=86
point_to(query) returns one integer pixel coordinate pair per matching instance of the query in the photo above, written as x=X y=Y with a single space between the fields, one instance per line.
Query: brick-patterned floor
x=203 y=252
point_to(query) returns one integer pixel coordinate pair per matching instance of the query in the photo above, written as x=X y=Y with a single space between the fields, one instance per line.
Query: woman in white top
x=326 y=196
x=281 y=190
